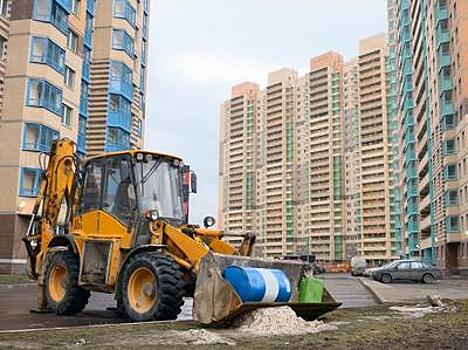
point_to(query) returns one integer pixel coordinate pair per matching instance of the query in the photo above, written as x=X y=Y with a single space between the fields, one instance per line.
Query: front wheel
x=152 y=287
x=63 y=295
x=428 y=278
x=386 y=278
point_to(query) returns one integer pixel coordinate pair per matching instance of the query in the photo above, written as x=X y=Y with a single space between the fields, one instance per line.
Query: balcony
x=445 y=84
x=88 y=38
x=90 y=6
x=443 y=36
x=444 y=60
x=121 y=87
x=441 y=14
x=120 y=119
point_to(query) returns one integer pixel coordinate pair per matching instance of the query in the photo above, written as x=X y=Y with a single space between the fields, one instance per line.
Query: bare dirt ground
x=376 y=327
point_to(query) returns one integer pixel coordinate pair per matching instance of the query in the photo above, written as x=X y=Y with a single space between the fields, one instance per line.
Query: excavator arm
x=55 y=202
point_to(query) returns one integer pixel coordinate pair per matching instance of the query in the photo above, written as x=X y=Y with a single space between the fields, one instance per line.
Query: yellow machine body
x=95 y=239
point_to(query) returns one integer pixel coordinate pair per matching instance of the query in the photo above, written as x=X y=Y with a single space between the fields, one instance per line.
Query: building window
x=123 y=9
x=86 y=64
x=119 y=112
x=67 y=115
x=84 y=97
x=451 y=197
x=88 y=35
x=38 y=137
x=81 y=139
x=145 y=26
x=43 y=94
x=76 y=6
x=449 y=147
x=117 y=140
x=452 y=224
x=2 y=48
x=3 y=8
x=139 y=127
x=122 y=41
x=121 y=80
x=45 y=51
x=143 y=53
x=451 y=172
x=53 y=11
x=142 y=78
x=30 y=182
x=72 y=41
x=69 y=77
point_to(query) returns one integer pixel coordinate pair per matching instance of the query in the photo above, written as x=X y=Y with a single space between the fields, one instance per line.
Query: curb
x=9 y=285
x=92 y=326
x=377 y=296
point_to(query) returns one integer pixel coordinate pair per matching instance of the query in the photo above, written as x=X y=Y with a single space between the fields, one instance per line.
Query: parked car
x=358 y=265
x=369 y=270
x=411 y=270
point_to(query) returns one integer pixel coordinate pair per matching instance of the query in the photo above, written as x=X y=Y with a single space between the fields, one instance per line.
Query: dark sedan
x=409 y=270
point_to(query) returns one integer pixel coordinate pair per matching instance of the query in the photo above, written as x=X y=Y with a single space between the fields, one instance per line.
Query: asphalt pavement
x=16 y=301
x=348 y=290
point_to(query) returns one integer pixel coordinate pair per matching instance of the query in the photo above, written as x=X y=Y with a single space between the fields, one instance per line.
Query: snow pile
x=278 y=321
x=436 y=305
x=203 y=337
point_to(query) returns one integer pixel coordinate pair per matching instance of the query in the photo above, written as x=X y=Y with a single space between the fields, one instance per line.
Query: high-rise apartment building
x=52 y=85
x=376 y=156
x=352 y=171
x=325 y=223
x=118 y=75
x=432 y=55
x=315 y=137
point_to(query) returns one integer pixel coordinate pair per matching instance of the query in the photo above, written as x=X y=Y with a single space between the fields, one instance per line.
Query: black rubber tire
x=386 y=278
x=169 y=285
x=428 y=278
x=76 y=297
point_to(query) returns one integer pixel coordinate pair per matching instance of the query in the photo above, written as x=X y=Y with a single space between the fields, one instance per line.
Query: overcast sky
x=200 y=48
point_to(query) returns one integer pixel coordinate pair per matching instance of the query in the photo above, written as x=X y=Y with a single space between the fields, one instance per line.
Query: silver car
x=410 y=270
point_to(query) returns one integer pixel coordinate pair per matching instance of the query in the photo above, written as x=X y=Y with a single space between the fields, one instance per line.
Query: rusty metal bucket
x=215 y=300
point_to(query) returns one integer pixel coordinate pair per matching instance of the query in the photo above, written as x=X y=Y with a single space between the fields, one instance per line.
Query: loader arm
x=58 y=186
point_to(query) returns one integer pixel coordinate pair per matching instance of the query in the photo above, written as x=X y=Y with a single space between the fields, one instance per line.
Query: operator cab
x=136 y=183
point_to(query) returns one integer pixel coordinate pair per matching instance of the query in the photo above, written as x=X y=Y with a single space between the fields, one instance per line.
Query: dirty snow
x=278 y=321
x=202 y=337
x=437 y=305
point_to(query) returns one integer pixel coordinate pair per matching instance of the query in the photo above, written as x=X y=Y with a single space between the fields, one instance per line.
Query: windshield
x=390 y=264
x=159 y=188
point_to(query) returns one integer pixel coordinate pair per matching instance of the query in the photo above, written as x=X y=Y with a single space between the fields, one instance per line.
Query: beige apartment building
x=48 y=89
x=375 y=151
x=432 y=66
x=118 y=76
x=313 y=139
x=352 y=171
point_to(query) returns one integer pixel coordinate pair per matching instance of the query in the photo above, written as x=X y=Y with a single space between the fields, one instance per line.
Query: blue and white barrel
x=258 y=285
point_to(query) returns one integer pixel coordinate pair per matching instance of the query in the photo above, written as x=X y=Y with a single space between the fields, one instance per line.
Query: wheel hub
x=57 y=281
x=142 y=294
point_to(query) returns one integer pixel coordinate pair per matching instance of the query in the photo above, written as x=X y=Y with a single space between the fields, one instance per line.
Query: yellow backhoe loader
x=118 y=223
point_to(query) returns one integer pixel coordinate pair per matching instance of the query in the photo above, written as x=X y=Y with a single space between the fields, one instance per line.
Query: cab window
x=92 y=185
x=119 y=198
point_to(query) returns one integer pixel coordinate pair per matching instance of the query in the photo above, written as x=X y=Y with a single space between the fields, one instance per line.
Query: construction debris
x=278 y=321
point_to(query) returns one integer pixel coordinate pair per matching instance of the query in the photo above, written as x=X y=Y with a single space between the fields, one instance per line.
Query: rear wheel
x=386 y=278
x=152 y=287
x=428 y=278
x=63 y=295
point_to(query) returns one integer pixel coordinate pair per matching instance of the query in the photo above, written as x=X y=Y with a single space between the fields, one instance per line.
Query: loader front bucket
x=215 y=300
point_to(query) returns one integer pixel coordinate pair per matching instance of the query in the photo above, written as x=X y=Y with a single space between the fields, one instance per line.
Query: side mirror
x=193 y=182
